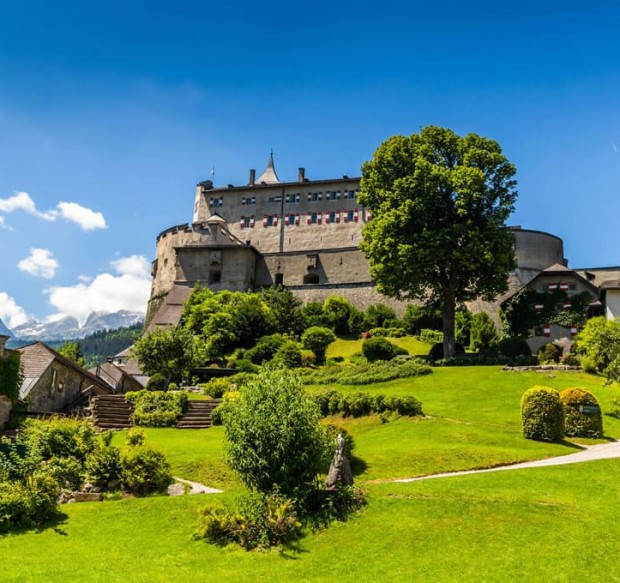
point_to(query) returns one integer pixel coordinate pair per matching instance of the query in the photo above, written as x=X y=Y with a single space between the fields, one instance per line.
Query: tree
x=483 y=333
x=439 y=204
x=273 y=435
x=318 y=339
x=73 y=352
x=598 y=345
x=171 y=352
x=338 y=311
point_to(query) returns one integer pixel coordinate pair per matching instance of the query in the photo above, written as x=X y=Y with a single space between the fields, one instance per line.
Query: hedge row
x=157 y=408
x=332 y=402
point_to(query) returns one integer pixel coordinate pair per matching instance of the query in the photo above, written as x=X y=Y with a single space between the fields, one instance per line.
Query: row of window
x=545 y=330
x=553 y=287
x=293 y=198
x=312 y=218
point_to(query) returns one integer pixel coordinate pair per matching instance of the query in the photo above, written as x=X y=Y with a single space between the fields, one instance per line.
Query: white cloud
x=10 y=312
x=129 y=290
x=86 y=218
x=73 y=212
x=40 y=263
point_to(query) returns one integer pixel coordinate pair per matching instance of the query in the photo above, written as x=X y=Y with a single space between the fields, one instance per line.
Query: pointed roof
x=4 y=331
x=269 y=176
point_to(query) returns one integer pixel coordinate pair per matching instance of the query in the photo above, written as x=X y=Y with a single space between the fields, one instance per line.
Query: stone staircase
x=111 y=412
x=198 y=414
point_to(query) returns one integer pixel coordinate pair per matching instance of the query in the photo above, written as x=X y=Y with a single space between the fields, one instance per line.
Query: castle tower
x=269 y=176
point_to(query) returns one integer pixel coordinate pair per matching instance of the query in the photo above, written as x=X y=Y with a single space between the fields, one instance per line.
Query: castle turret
x=269 y=176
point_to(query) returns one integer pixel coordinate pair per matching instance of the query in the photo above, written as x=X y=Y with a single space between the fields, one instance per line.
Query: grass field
x=347 y=348
x=546 y=524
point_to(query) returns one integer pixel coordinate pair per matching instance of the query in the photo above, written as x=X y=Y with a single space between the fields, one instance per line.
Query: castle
x=305 y=235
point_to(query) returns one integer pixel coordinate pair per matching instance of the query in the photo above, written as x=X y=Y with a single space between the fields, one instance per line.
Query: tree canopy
x=439 y=204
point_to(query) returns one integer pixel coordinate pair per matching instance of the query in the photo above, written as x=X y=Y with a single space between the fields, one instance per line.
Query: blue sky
x=111 y=112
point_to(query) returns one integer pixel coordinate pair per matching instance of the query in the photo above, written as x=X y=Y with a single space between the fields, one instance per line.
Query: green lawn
x=347 y=348
x=546 y=524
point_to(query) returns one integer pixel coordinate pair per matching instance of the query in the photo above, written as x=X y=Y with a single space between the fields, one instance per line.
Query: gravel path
x=197 y=488
x=590 y=453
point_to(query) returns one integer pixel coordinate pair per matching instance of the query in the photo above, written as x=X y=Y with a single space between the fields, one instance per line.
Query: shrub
x=366 y=374
x=156 y=382
x=436 y=351
x=58 y=437
x=318 y=339
x=514 y=346
x=274 y=409
x=216 y=387
x=483 y=334
x=265 y=349
x=135 y=436
x=549 y=354
x=307 y=358
x=144 y=470
x=582 y=413
x=68 y=472
x=542 y=414
x=380 y=349
x=289 y=354
x=598 y=345
x=27 y=504
x=359 y=404
x=246 y=365
x=157 y=408
x=431 y=336
x=386 y=332
x=103 y=466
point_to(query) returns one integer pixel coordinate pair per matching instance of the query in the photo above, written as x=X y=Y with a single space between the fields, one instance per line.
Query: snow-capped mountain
x=69 y=328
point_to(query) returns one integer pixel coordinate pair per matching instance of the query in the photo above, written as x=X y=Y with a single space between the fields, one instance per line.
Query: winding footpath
x=589 y=453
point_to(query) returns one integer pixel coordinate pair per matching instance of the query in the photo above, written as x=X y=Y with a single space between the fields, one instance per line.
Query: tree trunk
x=447 y=313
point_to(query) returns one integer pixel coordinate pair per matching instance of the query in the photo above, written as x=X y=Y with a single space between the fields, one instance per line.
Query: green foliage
x=381 y=349
x=11 y=376
x=73 y=352
x=314 y=315
x=582 y=413
x=380 y=316
x=318 y=339
x=157 y=408
x=487 y=360
x=265 y=349
x=58 y=437
x=366 y=374
x=171 y=352
x=549 y=354
x=100 y=345
x=135 y=436
x=156 y=382
x=439 y=205
x=520 y=314
x=262 y=521
x=431 y=336
x=286 y=309
x=462 y=323
x=357 y=322
x=357 y=404
x=418 y=318
x=273 y=438
x=103 y=466
x=514 y=346
x=338 y=310
x=542 y=414
x=289 y=355
x=144 y=470
x=29 y=503
x=216 y=387
x=598 y=345
x=483 y=333
x=386 y=332
x=68 y=472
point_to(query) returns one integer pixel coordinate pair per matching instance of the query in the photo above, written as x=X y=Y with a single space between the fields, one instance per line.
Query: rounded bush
x=549 y=354
x=380 y=348
x=436 y=352
x=582 y=413
x=542 y=414
x=514 y=346
x=144 y=470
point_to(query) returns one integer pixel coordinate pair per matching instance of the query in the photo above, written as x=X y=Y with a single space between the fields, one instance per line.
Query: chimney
x=252 y=176
x=301 y=175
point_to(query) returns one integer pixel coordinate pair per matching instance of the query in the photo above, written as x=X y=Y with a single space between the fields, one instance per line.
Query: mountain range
x=68 y=328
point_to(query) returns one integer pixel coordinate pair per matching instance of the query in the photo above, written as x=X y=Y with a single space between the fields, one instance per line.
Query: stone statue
x=340 y=471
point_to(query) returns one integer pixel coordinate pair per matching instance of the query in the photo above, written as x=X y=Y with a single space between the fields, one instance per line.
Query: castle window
x=312 y=278
x=333 y=217
x=314 y=218
x=216 y=201
x=246 y=222
x=279 y=278
x=248 y=200
x=350 y=194
x=215 y=276
x=292 y=198
x=275 y=199
x=350 y=216
x=292 y=219
x=332 y=195
x=315 y=196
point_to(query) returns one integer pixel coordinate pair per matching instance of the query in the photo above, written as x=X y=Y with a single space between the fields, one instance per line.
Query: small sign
x=589 y=409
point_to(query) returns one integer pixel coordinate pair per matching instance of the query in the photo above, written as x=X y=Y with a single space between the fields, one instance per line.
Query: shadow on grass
x=54 y=522
x=358 y=465
x=571 y=445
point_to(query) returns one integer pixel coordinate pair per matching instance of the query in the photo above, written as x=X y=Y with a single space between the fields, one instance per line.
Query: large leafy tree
x=171 y=352
x=439 y=204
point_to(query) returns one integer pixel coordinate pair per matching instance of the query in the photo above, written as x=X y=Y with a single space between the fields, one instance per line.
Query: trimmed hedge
x=381 y=349
x=157 y=408
x=332 y=402
x=542 y=414
x=577 y=422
